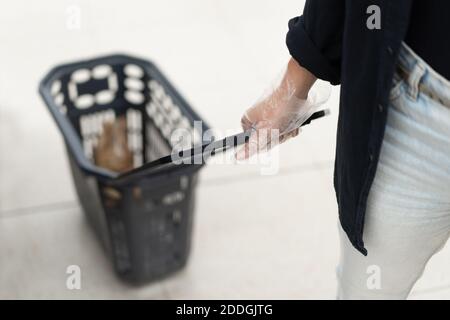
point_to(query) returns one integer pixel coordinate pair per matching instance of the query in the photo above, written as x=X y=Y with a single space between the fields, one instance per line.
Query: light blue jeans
x=408 y=210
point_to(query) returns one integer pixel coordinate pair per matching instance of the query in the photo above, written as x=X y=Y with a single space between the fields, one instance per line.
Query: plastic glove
x=278 y=117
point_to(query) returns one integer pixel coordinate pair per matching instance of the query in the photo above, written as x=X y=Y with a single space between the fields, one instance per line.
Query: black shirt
x=429 y=33
x=333 y=42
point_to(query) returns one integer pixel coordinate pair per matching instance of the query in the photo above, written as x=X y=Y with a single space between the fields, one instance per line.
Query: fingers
x=246 y=123
x=263 y=140
x=285 y=137
x=249 y=148
x=292 y=134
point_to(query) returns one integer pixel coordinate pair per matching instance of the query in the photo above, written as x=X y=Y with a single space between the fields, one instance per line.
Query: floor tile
x=34 y=166
x=440 y=293
x=264 y=238
x=37 y=249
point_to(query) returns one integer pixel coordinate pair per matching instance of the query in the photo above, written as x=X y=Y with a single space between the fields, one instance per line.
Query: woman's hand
x=278 y=117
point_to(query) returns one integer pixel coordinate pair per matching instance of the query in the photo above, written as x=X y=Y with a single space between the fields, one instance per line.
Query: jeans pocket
x=397 y=87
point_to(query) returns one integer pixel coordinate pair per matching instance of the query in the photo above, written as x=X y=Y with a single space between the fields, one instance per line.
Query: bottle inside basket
x=112 y=151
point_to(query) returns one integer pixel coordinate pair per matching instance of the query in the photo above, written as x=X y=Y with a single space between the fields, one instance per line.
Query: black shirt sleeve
x=314 y=39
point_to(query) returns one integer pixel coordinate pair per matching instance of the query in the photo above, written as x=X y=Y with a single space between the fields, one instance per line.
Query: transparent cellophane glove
x=278 y=116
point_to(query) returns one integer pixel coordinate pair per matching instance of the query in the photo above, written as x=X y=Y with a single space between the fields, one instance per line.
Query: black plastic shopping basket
x=144 y=219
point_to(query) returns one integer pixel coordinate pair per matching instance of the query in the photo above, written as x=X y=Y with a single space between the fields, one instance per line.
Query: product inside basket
x=112 y=151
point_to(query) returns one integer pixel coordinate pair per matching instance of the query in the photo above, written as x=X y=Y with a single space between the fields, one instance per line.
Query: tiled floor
x=255 y=236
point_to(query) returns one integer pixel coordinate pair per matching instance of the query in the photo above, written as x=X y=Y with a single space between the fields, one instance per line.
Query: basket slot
x=134 y=123
x=91 y=127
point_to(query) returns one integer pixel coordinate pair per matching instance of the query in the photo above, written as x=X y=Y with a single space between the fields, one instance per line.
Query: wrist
x=298 y=79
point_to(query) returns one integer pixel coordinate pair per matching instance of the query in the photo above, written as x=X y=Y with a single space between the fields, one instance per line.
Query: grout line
x=318 y=166
x=418 y=293
x=251 y=176
x=63 y=205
